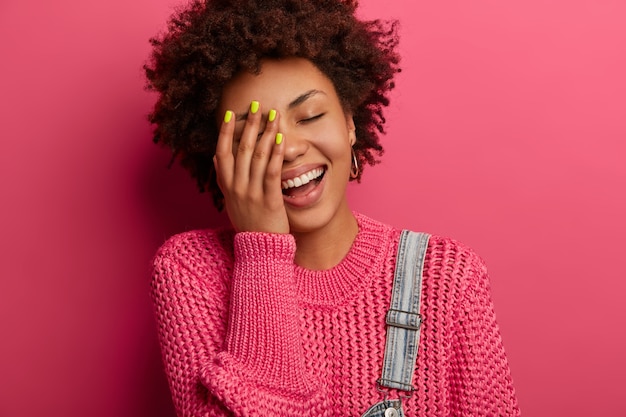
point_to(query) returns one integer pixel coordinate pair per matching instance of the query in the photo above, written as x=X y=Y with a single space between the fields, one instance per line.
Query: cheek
x=340 y=154
x=333 y=140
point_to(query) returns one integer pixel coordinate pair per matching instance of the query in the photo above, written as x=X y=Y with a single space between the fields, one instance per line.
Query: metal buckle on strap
x=382 y=386
x=404 y=319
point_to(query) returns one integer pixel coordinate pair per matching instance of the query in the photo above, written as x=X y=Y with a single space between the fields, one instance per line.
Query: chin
x=315 y=219
x=308 y=220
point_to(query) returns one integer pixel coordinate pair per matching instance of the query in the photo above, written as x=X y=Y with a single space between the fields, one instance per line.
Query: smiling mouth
x=302 y=184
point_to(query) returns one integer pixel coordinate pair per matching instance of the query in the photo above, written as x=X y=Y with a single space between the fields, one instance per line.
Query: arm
x=190 y=318
x=261 y=370
x=246 y=361
x=484 y=386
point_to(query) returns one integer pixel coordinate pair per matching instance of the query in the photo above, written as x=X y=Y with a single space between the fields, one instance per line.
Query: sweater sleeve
x=482 y=380
x=258 y=368
x=261 y=370
x=186 y=300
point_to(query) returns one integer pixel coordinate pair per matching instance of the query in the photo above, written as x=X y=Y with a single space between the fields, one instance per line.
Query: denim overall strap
x=403 y=317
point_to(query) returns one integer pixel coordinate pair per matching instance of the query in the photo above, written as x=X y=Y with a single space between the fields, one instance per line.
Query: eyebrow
x=294 y=103
x=304 y=97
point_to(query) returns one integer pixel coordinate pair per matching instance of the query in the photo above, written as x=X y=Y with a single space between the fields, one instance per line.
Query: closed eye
x=311 y=119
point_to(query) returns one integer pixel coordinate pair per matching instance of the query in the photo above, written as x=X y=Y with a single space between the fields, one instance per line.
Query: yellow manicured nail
x=272 y=115
x=254 y=107
x=228 y=116
x=279 y=138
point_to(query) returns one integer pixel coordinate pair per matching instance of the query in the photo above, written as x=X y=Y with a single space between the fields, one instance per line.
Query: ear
x=351 y=129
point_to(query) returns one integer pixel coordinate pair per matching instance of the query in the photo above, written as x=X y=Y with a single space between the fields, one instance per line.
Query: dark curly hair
x=210 y=41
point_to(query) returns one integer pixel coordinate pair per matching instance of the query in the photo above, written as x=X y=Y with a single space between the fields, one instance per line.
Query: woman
x=274 y=106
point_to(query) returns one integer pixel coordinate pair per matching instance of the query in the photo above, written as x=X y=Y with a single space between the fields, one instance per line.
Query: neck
x=325 y=247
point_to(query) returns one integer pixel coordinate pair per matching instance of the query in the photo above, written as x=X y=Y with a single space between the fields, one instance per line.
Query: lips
x=303 y=189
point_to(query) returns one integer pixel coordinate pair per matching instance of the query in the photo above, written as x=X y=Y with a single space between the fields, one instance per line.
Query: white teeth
x=303 y=179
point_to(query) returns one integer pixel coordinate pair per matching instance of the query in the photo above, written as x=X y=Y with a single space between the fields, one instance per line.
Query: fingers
x=266 y=154
x=273 y=172
x=250 y=163
x=223 y=160
x=247 y=144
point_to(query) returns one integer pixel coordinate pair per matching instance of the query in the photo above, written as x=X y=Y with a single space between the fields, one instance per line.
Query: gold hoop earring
x=354 y=167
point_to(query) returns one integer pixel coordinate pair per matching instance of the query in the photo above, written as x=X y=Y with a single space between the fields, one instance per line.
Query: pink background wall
x=507 y=132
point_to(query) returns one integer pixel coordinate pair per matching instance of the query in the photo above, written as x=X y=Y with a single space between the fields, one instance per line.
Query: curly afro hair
x=208 y=42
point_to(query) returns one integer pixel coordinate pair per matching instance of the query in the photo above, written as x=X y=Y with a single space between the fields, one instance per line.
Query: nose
x=295 y=144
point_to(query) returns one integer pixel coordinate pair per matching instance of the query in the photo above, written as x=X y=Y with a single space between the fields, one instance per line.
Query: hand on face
x=250 y=177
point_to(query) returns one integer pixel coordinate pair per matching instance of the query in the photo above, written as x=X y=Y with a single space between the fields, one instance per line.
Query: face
x=318 y=136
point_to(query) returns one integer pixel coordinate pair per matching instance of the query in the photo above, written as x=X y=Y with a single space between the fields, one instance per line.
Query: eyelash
x=310 y=119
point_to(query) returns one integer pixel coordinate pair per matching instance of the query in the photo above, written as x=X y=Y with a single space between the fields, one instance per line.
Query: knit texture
x=244 y=331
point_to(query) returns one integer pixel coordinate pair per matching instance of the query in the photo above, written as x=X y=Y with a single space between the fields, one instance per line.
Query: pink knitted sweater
x=245 y=331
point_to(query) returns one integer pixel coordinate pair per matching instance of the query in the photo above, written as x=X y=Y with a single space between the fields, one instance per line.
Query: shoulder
x=196 y=249
x=192 y=269
x=196 y=243
x=453 y=253
x=453 y=265
x=376 y=232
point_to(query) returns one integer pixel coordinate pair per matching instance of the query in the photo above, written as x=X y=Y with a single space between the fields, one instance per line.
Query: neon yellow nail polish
x=272 y=115
x=228 y=116
x=254 y=107
x=279 y=138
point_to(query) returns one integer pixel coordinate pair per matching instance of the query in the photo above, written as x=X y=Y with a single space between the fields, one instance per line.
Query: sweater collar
x=343 y=282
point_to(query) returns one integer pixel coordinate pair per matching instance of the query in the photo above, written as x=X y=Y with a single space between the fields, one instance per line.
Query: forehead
x=278 y=83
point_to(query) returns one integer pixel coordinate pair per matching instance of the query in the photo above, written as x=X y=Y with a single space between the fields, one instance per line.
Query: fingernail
x=254 y=107
x=228 y=116
x=279 y=138
x=272 y=115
